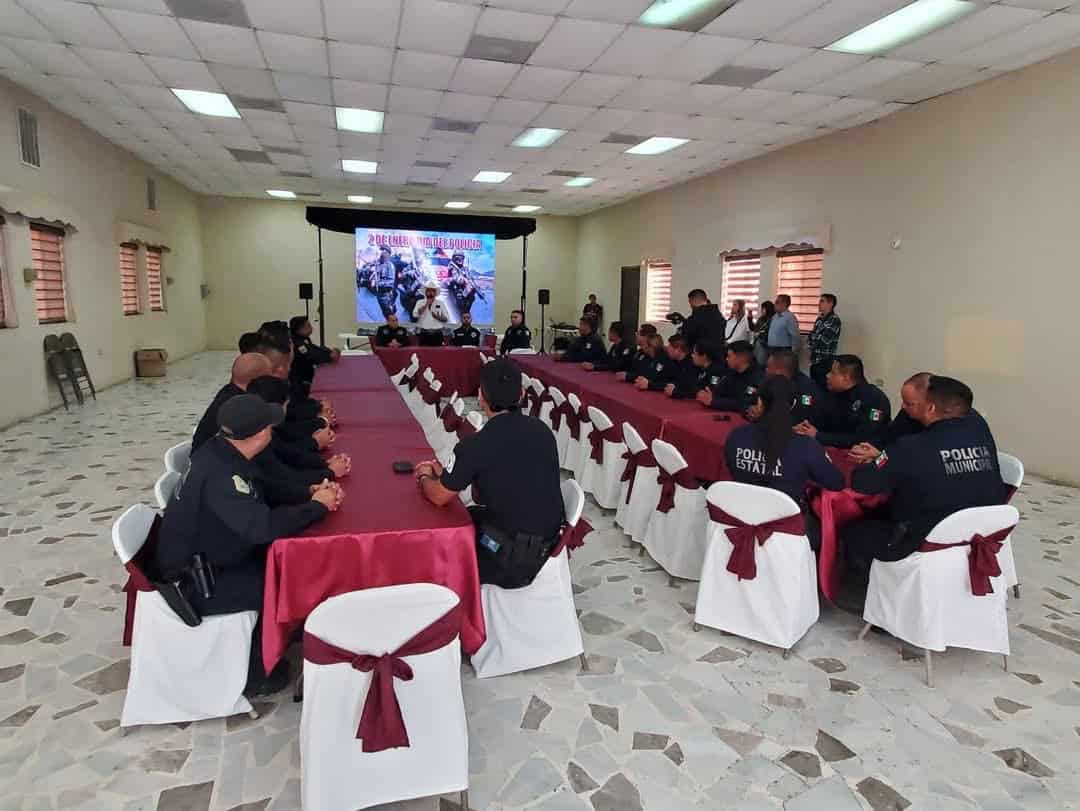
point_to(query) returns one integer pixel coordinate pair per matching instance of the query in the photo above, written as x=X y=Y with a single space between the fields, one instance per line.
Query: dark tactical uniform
x=860 y=414
x=655 y=370
x=409 y=286
x=462 y=288
x=465 y=336
x=584 y=349
x=306 y=356
x=384 y=335
x=640 y=366
x=516 y=338
x=705 y=323
x=619 y=358
x=677 y=373
x=809 y=402
x=208 y=425
x=803 y=461
x=737 y=391
x=704 y=378
x=384 y=281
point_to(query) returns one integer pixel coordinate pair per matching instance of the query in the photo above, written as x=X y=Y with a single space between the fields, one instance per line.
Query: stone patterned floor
x=667 y=719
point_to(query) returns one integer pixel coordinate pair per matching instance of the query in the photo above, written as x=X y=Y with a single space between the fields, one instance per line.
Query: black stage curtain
x=347 y=220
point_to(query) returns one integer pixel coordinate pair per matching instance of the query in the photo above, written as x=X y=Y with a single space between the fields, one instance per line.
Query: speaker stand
x=543 y=331
x=307 y=309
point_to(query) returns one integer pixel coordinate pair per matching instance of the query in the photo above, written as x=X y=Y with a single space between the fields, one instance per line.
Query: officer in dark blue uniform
x=709 y=369
x=654 y=366
x=620 y=353
x=307 y=355
x=588 y=347
x=517 y=335
x=737 y=390
x=466 y=334
x=392 y=333
x=245 y=368
x=906 y=421
x=950 y=466
x=384 y=282
x=218 y=522
x=639 y=358
x=680 y=373
x=857 y=411
x=809 y=403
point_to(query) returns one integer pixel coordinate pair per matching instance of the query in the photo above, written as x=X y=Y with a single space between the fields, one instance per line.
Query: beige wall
x=981 y=186
x=96 y=185
x=258 y=251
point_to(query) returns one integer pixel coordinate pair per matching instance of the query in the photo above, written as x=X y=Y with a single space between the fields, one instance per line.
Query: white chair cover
x=780 y=604
x=178 y=673
x=537 y=625
x=409 y=370
x=444 y=446
x=573 y=446
x=926 y=599
x=633 y=515
x=1012 y=473
x=602 y=480
x=337 y=774
x=677 y=539
x=165 y=486
x=178 y=457
x=562 y=436
x=428 y=414
x=528 y=351
x=414 y=399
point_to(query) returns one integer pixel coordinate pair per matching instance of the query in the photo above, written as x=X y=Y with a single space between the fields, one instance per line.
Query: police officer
x=639 y=360
x=409 y=284
x=855 y=412
x=219 y=522
x=680 y=372
x=809 y=403
x=461 y=284
x=708 y=372
x=906 y=421
x=245 y=368
x=768 y=453
x=737 y=390
x=517 y=335
x=950 y=466
x=620 y=354
x=512 y=467
x=466 y=334
x=384 y=281
x=705 y=322
x=307 y=354
x=588 y=347
x=653 y=367
x=391 y=333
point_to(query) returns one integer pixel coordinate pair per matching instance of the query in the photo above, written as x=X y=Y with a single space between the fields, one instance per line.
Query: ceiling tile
x=151 y=34
x=50 y=57
x=534 y=83
x=413 y=100
x=151 y=97
x=501 y=134
x=75 y=23
x=508 y=24
x=181 y=121
x=182 y=73
x=1045 y=5
x=616 y=11
x=271 y=132
x=15 y=22
x=403 y=124
x=873 y=114
x=225 y=44
x=434 y=26
x=1008 y=47
x=299 y=87
x=250 y=82
x=835 y=20
x=562 y=117
x=360 y=94
x=838 y=110
x=515 y=111
x=575 y=44
x=303 y=17
x=921 y=84
x=770 y=56
x=464 y=107
x=294 y=54
x=595 y=89
x=814 y=69
x=874 y=72
x=425 y=70
x=753 y=19
x=793 y=106
x=350 y=21
x=967 y=33
x=700 y=56
x=1040 y=54
x=483 y=77
x=117 y=66
x=750 y=100
x=607 y=120
x=644 y=94
x=313 y=134
x=319 y=115
x=640 y=51
x=365 y=63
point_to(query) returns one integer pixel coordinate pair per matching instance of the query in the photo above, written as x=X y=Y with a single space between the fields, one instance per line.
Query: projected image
x=393 y=266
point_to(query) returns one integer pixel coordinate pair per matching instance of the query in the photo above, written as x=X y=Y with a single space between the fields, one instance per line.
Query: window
x=28 y=139
x=154 y=281
x=657 y=290
x=742 y=279
x=129 y=278
x=799 y=276
x=50 y=298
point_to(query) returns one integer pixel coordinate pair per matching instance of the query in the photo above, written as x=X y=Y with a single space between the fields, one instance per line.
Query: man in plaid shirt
x=824 y=339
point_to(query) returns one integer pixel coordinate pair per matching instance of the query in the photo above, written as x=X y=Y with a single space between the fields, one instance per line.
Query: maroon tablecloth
x=458 y=367
x=701 y=438
x=353 y=373
x=369 y=408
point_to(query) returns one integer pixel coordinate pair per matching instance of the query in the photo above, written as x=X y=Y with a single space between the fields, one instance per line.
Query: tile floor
x=666 y=720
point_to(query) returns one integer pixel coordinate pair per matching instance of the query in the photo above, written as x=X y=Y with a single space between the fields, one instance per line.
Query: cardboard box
x=150 y=362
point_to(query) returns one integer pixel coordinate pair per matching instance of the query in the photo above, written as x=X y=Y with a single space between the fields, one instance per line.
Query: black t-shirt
x=516 y=338
x=585 y=349
x=384 y=335
x=466 y=336
x=514 y=464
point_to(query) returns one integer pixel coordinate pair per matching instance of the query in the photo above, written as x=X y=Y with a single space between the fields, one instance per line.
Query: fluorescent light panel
x=355 y=119
x=684 y=15
x=359 y=167
x=206 y=103
x=359 y=198
x=578 y=182
x=538 y=137
x=903 y=26
x=526 y=209
x=457 y=204
x=488 y=176
x=657 y=146
x=282 y=194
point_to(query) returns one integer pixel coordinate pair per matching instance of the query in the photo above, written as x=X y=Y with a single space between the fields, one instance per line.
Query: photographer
x=705 y=322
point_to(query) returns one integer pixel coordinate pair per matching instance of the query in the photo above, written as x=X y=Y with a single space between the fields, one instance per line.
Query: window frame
x=45 y=228
x=806 y=314
x=134 y=280
x=161 y=304
x=752 y=305
x=656 y=313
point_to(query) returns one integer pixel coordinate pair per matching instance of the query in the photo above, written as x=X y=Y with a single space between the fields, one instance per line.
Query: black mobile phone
x=403 y=467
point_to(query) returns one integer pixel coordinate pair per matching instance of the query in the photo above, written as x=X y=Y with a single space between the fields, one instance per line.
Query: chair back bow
x=539 y=403
x=465 y=429
x=743 y=559
x=643 y=458
x=597 y=439
x=381 y=723
x=429 y=395
x=451 y=420
x=982 y=557
x=667 y=482
x=572 y=537
x=530 y=402
x=573 y=421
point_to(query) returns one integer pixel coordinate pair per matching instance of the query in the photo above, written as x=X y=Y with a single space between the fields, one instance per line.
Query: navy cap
x=243 y=416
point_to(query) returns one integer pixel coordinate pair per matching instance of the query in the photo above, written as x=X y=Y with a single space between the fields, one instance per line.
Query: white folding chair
x=337 y=775
x=602 y=478
x=523 y=351
x=573 y=446
x=1012 y=473
x=179 y=673
x=164 y=488
x=409 y=370
x=562 y=436
x=584 y=447
x=780 y=604
x=634 y=511
x=536 y=625
x=926 y=599
x=178 y=457
x=677 y=539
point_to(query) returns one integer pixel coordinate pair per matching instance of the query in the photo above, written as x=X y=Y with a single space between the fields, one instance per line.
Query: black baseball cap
x=243 y=416
x=500 y=381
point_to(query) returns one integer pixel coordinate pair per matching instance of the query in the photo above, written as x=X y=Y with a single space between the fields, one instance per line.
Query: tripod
x=543 y=330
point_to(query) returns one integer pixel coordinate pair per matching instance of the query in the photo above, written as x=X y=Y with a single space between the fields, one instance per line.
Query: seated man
x=640 y=359
x=307 y=354
x=249 y=342
x=391 y=333
x=466 y=334
x=856 y=411
x=680 y=372
x=587 y=347
x=767 y=453
x=220 y=515
x=430 y=316
x=517 y=336
x=245 y=368
x=513 y=468
x=708 y=372
x=737 y=390
x=949 y=466
x=809 y=404
x=906 y=422
x=308 y=416
x=619 y=355
x=656 y=362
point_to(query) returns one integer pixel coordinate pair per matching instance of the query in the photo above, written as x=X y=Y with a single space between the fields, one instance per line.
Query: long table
x=458 y=367
x=385 y=533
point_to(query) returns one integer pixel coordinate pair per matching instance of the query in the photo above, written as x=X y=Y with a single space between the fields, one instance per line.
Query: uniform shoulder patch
x=241 y=485
x=882 y=460
x=855 y=406
x=302 y=349
x=875 y=415
x=806 y=399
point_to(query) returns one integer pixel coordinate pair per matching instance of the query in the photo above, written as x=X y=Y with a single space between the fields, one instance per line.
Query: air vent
x=296 y=174
x=28 y=138
x=224 y=12
x=253 y=103
x=737 y=76
x=454 y=125
x=284 y=150
x=420 y=184
x=432 y=164
x=151 y=194
x=499 y=49
x=622 y=138
x=566 y=172
x=534 y=191
x=250 y=155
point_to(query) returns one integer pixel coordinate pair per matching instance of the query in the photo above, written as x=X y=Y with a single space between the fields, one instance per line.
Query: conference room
x=769 y=275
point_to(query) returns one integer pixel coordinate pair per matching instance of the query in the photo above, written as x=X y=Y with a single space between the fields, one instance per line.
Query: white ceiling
x=593 y=72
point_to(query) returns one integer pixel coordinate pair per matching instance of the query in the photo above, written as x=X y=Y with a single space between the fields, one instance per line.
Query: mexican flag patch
x=875 y=415
x=882 y=460
x=806 y=400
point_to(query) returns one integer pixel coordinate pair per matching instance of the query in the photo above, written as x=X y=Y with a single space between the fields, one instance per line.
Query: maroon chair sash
x=412 y=382
x=597 y=439
x=1010 y=491
x=544 y=398
x=137 y=579
x=530 y=402
x=633 y=462
x=430 y=396
x=667 y=482
x=743 y=558
x=451 y=420
x=465 y=429
x=573 y=419
x=573 y=537
x=381 y=724
x=982 y=557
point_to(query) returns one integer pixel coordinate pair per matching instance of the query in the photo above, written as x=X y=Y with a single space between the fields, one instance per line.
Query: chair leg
x=865 y=630
x=298 y=690
x=465 y=800
x=929 y=669
x=1005 y=662
x=1016 y=591
x=584 y=663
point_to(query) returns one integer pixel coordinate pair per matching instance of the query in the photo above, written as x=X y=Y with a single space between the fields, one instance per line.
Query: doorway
x=630 y=297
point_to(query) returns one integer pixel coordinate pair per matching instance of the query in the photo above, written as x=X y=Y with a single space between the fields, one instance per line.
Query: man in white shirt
x=430 y=315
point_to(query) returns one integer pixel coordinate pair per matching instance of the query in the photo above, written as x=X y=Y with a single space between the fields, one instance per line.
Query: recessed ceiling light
x=538 y=137
x=205 y=103
x=457 y=204
x=580 y=181
x=657 y=146
x=903 y=26
x=282 y=194
x=491 y=177
x=526 y=209
x=685 y=15
x=359 y=198
x=356 y=120
x=360 y=167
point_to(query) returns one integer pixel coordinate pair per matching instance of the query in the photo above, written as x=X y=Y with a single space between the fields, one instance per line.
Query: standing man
x=824 y=338
x=784 y=327
x=518 y=336
x=409 y=279
x=593 y=312
x=705 y=323
x=588 y=347
x=384 y=281
x=392 y=333
x=462 y=286
x=430 y=316
x=857 y=411
x=466 y=334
